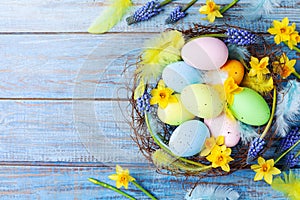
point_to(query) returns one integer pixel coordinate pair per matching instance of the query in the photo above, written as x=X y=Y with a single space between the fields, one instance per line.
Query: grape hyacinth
x=149 y=10
x=257 y=145
x=143 y=103
x=289 y=140
x=292 y=160
x=176 y=15
x=240 y=37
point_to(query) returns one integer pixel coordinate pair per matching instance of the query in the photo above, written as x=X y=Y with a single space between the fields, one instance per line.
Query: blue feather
x=238 y=52
x=248 y=133
x=288 y=108
x=210 y=192
x=261 y=7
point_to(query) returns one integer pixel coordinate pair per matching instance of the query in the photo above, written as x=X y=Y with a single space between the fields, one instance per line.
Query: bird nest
x=152 y=135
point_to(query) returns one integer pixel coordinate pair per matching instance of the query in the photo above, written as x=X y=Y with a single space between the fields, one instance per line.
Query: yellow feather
x=110 y=17
x=290 y=186
x=158 y=53
x=262 y=86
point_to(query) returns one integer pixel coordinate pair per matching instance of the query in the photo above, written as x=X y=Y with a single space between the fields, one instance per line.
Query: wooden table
x=59 y=98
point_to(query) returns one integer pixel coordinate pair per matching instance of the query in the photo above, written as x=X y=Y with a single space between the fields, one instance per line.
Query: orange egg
x=235 y=69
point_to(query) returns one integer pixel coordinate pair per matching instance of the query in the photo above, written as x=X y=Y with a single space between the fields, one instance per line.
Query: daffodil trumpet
x=108 y=186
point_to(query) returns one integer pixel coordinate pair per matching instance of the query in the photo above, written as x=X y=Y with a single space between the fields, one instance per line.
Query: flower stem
x=225 y=8
x=287 y=151
x=189 y=5
x=298 y=154
x=105 y=185
x=294 y=47
x=143 y=190
x=296 y=74
x=272 y=114
x=165 y=2
x=162 y=146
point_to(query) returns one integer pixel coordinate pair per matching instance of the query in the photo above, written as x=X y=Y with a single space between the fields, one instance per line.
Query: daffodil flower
x=220 y=157
x=210 y=143
x=231 y=88
x=162 y=95
x=284 y=67
x=259 y=68
x=265 y=169
x=121 y=177
x=281 y=30
x=211 y=10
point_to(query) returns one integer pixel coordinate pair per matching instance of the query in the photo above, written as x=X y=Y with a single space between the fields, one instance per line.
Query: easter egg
x=250 y=107
x=175 y=113
x=202 y=100
x=235 y=70
x=223 y=126
x=206 y=53
x=188 y=138
x=178 y=75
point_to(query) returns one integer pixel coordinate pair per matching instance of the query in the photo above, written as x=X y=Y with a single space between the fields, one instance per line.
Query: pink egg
x=222 y=125
x=206 y=53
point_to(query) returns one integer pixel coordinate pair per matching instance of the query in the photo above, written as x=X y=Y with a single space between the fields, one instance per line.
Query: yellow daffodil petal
x=113 y=177
x=225 y=168
x=261 y=160
x=220 y=140
x=268 y=178
x=119 y=169
x=205 y=152
x=258 y=176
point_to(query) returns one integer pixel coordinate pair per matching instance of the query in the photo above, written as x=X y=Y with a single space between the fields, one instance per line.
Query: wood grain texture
x=60 y=121
x=76 y=16
x=66 y=131
x=38 y=182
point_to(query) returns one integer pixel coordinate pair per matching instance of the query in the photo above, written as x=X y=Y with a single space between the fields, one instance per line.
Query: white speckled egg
x=223 y=126
x=202 y=100
x=178 y=75
x=188 y=138
x=175 y=113
x=206 y=53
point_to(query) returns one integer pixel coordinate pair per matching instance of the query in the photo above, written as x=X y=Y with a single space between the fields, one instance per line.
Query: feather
x=290 y=186
x=262 y=86
x=238 y=52
x=161 y=159
x=158 y=53
x=248 y=133
x=288 y=108
x=261 y=7
x=212 y=192
x=110 y=17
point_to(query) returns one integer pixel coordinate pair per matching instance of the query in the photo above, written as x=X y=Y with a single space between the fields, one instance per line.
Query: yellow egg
x=235 y=69
x=175 y=113
x=202 y=100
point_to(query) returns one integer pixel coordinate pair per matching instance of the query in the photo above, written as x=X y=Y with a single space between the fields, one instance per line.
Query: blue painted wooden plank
x=21 y=182
x=76 y=16
x=57 y=66
x=65 y=131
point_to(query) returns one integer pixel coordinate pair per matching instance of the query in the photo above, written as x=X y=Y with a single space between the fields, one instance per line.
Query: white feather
x=261 y=7
x=212 y=192
x=248 y=133
x=288 y=108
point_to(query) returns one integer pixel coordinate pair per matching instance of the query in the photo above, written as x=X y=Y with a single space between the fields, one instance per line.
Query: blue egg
x=178 y=75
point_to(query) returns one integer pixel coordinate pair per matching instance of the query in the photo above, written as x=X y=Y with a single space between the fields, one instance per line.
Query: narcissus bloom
x=210 y=143
x=259 y=68
x=265 y=169
x=220 y=157
x=211 y=10
x=231 y=88
x=162 y=95
x=284 y=67
x=282 y=30
x=122 y=177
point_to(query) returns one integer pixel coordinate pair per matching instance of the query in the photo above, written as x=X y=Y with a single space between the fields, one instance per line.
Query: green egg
x=175 y=113
x=250 y=107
